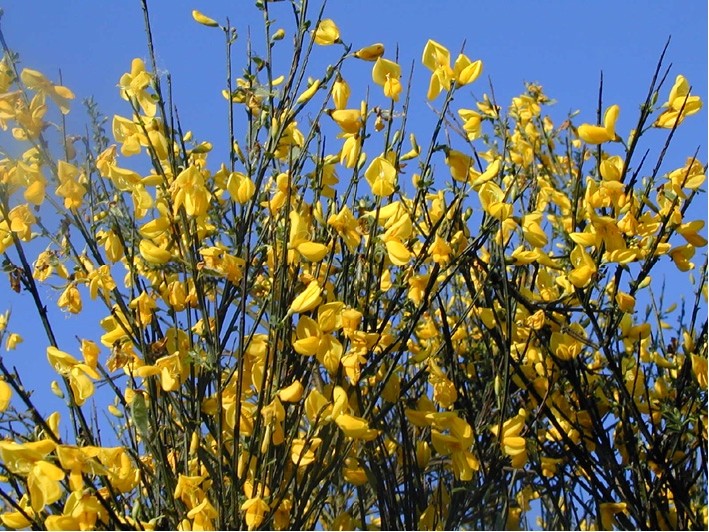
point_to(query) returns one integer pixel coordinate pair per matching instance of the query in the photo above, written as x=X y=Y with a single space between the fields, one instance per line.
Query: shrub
x=289 y=339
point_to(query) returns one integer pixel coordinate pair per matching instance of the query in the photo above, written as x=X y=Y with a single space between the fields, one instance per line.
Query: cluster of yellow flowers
x=280 y=335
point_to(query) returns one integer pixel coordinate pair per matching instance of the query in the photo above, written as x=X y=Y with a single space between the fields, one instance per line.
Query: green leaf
x=139 y=413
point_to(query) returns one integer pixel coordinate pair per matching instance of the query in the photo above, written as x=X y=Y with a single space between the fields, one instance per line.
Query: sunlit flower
x=5 y=395
x=466 y=71
x=679 y=104
x=36 y=81
x=340 y=93
x=381 y=176
x=12 y=341
x=307 y=300
x=327 y=33
x=513 y=445
x=598 y=134
x=255 y=509
x=370 y=53
x=70 y=187
x=386 y=74
x=189 y=190
x=203 y=19
x=437 y=59
x=70 y=299
x=349 y=120
x=134 y=87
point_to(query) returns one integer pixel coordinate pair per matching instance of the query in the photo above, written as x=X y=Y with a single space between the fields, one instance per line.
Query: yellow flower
x=317 y=407
x=203 y=515
x=453 y=436
x=307 y=300
x=690 y=232
x=5 y=395
x=308 y=93
x=36 y=81
x=111 y=244
x=12 y=340
x=354 y=473
x=398 y=253
x=292 y=393
x=608 y=511
x=281 y=517
x=386 y=74
x=189 y=190
x=370 y=53
x=203 y=19
x=437 y=59
x=303 y=451
x=133 y=85
x=7 y=76
x=355 y=427
x=255 y=510
x=699 y=367
x=61 y=522
x=17 y=519
x=440 y=251
x=43 y=482
x=30 y=118
x=492 y=199
x=513 y=445
x=153 y=254
x=85 y=509
x=43 y=478
x=423 y=454
x=584 y=268
x=459 y=164
x=143 y=305
x=327 y=33
x=414 y=151
x=36 y=183
x=599 y=134
x=79 y=374
x=349 y=120
x=691 y=176
x=128 y=133
x=217 y=259
x=611 y=168
x=626 y=302
x=472 y=123
x=346 y=226
x=682 y=255
x=340 y=93
x=351 y=150
x=70 y=299
x=313 y=339
x=381 y=176
x=312 y=251
x=532 y=230
x=101 y=279
x=466 y=71
x=70 y=187
x=291 y=138
x=679 y=105
x=21 y=220
x=188 y=489
x=549 y=466
x=490 y=173
x=19 y=457
x=565 y=346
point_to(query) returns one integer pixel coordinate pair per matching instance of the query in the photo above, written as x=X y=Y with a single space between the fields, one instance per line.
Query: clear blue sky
x=562 y=45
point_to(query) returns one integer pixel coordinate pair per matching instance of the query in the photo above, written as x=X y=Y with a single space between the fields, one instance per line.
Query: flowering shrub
x=352 y=332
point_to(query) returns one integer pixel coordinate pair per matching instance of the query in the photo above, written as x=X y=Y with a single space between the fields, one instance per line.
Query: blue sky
x=560 y=44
